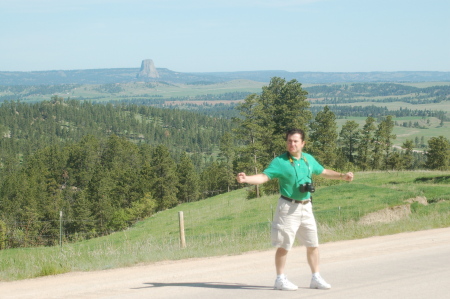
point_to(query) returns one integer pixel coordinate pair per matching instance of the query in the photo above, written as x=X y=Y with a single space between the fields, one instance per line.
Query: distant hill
x=125 y=75
x=338 y=77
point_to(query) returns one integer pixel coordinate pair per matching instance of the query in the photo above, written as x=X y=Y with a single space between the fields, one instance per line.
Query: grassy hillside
x=374 y=204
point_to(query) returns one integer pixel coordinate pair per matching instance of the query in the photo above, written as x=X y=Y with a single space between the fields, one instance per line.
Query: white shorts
x=293 y=220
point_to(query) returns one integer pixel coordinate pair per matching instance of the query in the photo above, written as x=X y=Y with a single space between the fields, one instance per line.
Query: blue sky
x=226 y=35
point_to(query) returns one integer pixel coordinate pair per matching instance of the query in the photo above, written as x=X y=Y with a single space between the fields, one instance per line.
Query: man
x=294 y=216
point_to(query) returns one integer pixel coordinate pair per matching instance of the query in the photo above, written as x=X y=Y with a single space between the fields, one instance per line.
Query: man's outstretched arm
x=331 y=174
x=256 y=179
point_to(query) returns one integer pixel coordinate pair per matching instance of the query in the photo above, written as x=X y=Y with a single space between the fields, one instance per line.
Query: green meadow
x=230 y=224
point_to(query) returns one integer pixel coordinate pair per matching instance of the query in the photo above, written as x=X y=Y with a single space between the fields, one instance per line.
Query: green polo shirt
x=292 y=175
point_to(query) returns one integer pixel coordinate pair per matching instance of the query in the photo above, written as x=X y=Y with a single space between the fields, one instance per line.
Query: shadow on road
x=211 y=285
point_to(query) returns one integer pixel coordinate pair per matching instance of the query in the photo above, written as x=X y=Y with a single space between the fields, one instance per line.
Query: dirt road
x=407 y=265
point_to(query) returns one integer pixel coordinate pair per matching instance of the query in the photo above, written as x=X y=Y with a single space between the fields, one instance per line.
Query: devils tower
x=148 y=70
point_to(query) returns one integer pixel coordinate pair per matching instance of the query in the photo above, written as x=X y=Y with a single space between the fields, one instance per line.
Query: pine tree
x=349 y=139
x=82 y=160
x=264 y=121
x=83 y=222
x=383 y=144
x=99 y=191
x=408 y=157
x=188 y=180
x=395 y=161
x=366 y=145
x=438 y=155
x=323 y=137
x=3 y=237
x=250 y=131
x=284 y=107
x=227 y=157
x=164 y=186
x=143 y=208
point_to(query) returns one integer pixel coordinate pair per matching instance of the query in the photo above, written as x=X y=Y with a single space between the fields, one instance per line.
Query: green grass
x=230 y=224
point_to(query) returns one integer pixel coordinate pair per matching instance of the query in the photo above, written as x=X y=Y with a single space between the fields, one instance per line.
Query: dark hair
x=295 y=131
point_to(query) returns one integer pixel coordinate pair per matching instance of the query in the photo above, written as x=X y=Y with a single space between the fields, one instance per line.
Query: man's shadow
x=209 y=285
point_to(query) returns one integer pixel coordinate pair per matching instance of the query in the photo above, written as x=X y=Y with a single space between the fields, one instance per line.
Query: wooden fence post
x=60 y=228
x=182 y=237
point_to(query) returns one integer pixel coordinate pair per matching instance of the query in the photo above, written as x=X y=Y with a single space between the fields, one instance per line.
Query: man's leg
x=280 y=260
x=317 y=282
x=282 y=283
x=312 y=254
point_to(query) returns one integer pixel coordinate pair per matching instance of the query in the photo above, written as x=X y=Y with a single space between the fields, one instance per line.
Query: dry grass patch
x=393 y=213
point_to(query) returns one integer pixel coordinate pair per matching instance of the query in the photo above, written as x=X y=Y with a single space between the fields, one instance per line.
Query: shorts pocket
x=277 y=234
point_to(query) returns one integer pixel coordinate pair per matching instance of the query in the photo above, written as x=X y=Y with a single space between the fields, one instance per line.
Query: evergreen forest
x=91 y=169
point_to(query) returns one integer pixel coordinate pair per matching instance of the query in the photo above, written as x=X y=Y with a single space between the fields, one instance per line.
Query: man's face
x=295 y=143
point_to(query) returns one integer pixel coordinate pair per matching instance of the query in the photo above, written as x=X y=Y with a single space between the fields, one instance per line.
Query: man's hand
x=348 y=176
x=241 y=177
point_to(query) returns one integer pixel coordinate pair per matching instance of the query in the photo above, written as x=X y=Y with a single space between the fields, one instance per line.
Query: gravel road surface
x=408 y=265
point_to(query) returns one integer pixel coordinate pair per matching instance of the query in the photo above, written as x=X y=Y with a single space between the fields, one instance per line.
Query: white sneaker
x=284 y=284
x=319 y=283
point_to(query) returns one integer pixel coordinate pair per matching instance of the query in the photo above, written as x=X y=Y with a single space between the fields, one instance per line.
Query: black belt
x=303 y=202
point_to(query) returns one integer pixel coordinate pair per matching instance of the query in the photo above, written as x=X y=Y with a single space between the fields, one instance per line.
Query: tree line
x=342 y=111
